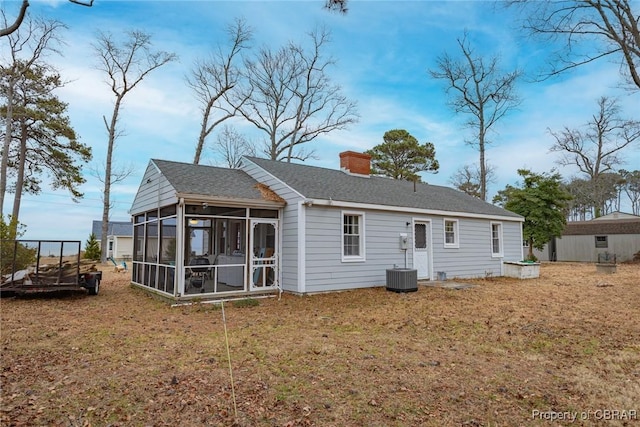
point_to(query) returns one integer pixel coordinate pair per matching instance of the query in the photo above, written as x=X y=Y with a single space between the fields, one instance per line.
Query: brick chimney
x=355 y=163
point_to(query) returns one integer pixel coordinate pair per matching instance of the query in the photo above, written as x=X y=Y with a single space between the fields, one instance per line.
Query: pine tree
x=400 y=156
x=92 y=248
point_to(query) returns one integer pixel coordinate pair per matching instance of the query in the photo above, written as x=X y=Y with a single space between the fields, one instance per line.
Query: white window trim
x=456 y=231
x=500 y=229
x=353 y=258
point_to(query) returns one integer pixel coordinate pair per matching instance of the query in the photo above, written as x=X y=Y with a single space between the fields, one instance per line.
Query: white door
x=421 y=249
x=263 y=263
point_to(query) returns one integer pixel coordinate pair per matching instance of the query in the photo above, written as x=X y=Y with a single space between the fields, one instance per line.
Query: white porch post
x=180 y=226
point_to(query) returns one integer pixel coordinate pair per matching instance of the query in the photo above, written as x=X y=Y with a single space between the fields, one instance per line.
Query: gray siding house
x=271 y=226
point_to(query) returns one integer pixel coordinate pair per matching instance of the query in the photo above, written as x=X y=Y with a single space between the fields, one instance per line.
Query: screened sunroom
x=206 y=245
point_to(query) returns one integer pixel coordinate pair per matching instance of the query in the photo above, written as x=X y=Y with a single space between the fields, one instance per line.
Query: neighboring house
x=303 y=229
x=119 y=239
x=617 y=233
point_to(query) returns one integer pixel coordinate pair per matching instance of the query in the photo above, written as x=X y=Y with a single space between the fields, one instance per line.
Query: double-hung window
x=353 y=236
x=451 y=239
x=496 y=239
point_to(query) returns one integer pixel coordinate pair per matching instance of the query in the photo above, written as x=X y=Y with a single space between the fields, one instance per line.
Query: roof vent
x=355 y=163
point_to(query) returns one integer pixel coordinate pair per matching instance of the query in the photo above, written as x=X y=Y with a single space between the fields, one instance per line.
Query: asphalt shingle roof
x=209 y=180
x=615 y=226
x=116 y=228
x=321 y=183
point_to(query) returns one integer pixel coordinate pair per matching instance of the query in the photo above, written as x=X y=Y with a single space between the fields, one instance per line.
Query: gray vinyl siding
x=325 y=270
x=289 y=257
x=289 y=248
x=154 y=191
x=473 y=257
x=512 y=237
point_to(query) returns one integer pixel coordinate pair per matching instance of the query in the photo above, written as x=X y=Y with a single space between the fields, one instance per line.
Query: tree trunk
x=203 y=134
x=530 y=256
x=107 y=180
x=483 y=173
x=4 y=165
x=481 y=148
x=17 y=199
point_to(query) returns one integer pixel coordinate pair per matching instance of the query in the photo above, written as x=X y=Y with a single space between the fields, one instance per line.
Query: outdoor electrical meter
x=404 y=241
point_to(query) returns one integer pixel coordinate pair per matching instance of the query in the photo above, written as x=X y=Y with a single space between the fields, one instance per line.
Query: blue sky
x=383 y=49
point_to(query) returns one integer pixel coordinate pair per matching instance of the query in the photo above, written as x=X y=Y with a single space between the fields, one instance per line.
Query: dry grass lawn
x=491 y=355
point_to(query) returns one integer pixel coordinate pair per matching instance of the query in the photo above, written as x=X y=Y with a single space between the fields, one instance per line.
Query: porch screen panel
x=168 y=241
x=138 y=242
x=151 y=246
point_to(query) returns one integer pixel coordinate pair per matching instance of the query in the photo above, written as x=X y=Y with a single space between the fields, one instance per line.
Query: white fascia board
x=156 y=166
x=354 y=205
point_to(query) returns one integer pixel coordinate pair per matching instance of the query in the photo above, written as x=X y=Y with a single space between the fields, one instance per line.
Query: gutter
x=355 y=205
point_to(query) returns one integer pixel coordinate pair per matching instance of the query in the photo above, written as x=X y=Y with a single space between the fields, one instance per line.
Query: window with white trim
x=352 y=236
x=451 y=239
x=496 y=239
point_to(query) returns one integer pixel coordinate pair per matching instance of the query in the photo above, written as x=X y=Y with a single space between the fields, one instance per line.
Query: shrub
x=14 y=256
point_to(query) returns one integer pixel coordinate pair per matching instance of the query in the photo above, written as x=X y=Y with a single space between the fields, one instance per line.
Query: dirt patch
x=493 y=354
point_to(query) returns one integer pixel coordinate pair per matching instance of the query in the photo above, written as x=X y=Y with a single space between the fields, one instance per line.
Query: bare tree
x=580 y=207
x=598 y=148
x=26 y=48
x=479 y=89
x=290 y=97
x=632 y=188
x=467 y=179
x=11 y=28
x=609 y=29
x=231 y=146
x=213 y=79
x=332 y=5
x=125 y=65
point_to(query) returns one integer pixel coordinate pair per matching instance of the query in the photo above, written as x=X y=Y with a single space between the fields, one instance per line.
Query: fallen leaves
x=486 y=355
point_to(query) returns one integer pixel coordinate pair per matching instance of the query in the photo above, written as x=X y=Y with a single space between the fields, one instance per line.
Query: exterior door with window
x=263 y=272
x=421 y=249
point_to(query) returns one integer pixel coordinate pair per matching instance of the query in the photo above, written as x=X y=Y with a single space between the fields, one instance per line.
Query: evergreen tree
x=400 y=156
x=42 y=140
x=13 y=256
x=92 y=248
x=542 y=201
